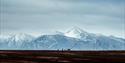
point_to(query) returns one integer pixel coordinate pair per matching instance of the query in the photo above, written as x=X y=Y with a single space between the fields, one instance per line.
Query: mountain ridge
x=75 y=38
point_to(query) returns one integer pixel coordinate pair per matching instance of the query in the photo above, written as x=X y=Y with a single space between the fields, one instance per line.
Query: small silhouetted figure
x=68 y=49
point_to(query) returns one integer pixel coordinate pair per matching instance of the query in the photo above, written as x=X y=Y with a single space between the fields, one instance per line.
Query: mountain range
x=74 y=39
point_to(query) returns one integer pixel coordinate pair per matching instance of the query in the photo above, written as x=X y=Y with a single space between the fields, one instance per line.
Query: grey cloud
x=46 y=15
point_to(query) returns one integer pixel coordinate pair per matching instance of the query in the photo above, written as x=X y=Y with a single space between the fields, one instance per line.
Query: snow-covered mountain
x=75 y=39
x=15 y=40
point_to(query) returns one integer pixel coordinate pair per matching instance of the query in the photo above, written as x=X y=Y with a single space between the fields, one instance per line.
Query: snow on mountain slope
x=15 y=40
x=4 y=38
x=64 y=42
x=76 y=33
x=107 y=43
x=75 y=39
x=21 y=37
x=117 y=39
x=17 y=37
x=54 y=42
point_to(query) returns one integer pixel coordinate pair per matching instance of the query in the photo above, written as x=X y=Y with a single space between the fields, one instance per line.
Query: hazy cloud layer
x=38 y=16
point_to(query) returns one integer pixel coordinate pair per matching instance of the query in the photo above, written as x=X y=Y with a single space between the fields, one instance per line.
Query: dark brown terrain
x=54 y=56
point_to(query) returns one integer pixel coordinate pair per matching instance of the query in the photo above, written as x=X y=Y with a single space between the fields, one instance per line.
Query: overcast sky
x=45 y=16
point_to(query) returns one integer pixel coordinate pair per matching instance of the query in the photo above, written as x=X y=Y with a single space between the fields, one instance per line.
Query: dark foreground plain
x=59 y=56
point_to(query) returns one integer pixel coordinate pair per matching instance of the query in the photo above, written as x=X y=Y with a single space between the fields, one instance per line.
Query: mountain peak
x=75 y=32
